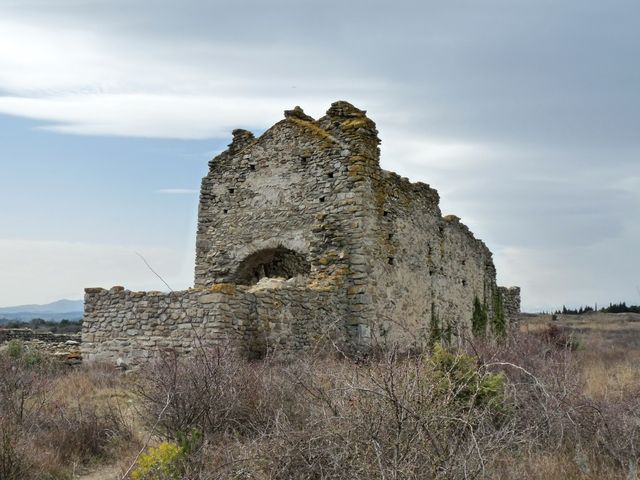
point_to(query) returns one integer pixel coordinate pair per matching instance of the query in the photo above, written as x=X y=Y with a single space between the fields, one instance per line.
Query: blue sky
x=523 y=114
x=81 y=202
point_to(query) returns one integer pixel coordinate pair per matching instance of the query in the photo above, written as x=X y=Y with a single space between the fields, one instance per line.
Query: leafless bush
x=23 y=386
x=215 y=392
x=82 y=433
x=553 y=416
x=514 y=409
x=502 y=410
x=14 y=461
x=392 y=417
x=51 y=420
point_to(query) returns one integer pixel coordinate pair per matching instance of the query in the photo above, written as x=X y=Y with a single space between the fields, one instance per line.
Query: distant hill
x=59 y=310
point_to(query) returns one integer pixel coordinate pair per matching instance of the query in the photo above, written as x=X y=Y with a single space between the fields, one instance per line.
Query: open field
x=619 y=330
x=608 y=353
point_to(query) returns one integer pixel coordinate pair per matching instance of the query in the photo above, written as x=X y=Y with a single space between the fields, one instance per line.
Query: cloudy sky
x=524 y=114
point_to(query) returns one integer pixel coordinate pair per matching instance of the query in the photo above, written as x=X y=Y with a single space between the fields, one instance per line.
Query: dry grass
x=57 y=421
x=609 y=353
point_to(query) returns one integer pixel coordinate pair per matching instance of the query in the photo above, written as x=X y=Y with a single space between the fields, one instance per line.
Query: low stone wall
x=273 y=315
x=26 y=334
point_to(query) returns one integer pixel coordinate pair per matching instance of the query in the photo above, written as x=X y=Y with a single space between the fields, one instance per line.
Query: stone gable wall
x=289 y=188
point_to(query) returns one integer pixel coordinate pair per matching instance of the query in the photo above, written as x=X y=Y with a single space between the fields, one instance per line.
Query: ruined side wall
x=467 y=266
x=7 y=334
x=423 y=265
x=272 y=316
x=510 y=302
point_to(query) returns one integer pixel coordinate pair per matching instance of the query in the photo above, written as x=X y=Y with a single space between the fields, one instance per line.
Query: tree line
x=41 y=325
x=621 y=307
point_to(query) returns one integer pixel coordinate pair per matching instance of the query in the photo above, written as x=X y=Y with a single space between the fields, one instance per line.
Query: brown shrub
x=14 y=463
x=51 y=419
x=515 y=409
x=390 y=417
x=554 y=415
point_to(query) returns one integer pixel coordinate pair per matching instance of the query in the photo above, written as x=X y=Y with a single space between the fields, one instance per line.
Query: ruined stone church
x=303 y=238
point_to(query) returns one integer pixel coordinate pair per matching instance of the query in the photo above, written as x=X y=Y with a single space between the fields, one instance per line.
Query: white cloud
x=140 y=115
x=44 y=271
x=82 y=82
x=628 y=184
x=410 y=150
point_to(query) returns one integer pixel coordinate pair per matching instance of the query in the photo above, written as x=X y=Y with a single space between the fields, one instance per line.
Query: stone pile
x=64 y=347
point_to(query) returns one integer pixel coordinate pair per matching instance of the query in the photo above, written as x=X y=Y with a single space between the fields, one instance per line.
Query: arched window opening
x=276 y=262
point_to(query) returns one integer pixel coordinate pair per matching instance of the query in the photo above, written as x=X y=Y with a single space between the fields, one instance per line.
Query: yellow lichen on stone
x=407 y=201
x=451 y=218
x=226 y=288
x=354 y=290
x=329 y=279
x=356 y=123
x=355 y=170
x=91 y=290
x=380 y=198
x=315 y=129
x=360 y=164
x=328 y=258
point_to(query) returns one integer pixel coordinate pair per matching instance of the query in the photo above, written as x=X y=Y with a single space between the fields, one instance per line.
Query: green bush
x=457 y=375
x=435 y=330
x=14 y=349
x=32 y=358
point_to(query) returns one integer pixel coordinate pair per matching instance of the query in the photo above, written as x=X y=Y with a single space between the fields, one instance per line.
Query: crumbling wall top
x=297 y=112
x=241 y=138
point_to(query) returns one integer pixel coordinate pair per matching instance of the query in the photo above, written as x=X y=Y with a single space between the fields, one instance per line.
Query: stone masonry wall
x=510 y=302
x=272 y=315
x=423 y=265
